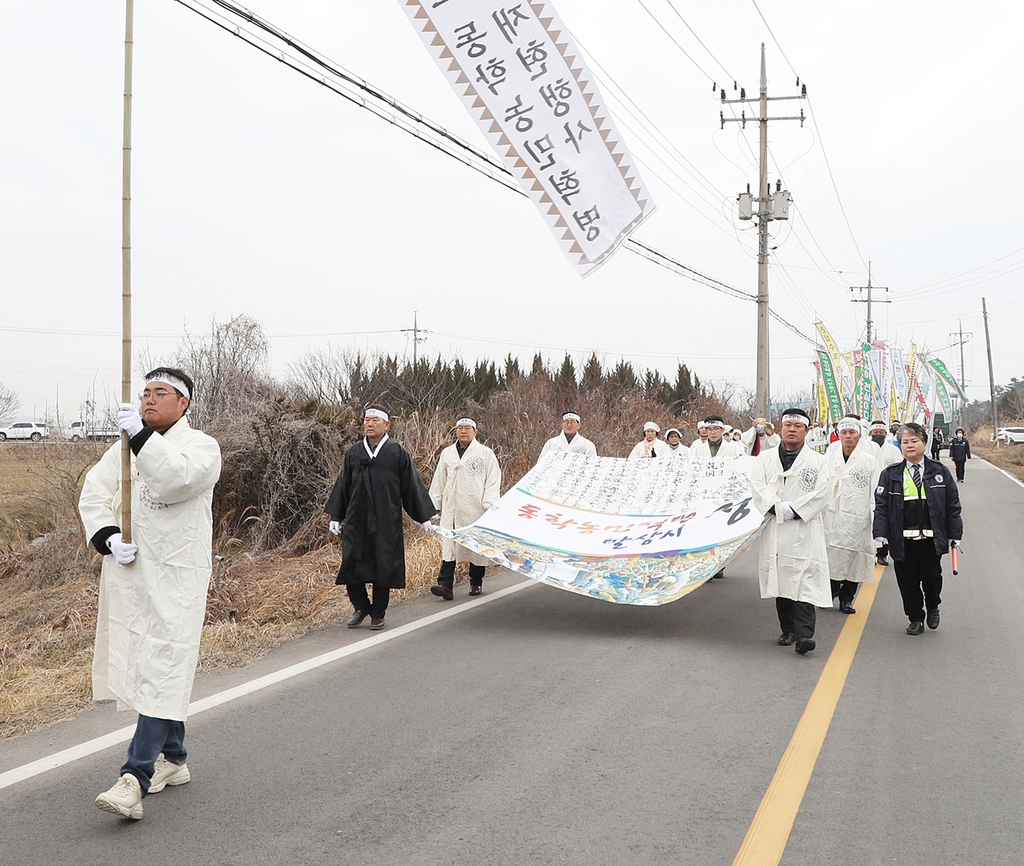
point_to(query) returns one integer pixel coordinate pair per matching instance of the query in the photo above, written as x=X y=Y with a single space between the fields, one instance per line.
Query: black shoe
x=915 y=628
x=476 y=589
x=881 y=560
x=718 y=575
x=376 y=624
x=785 y=639
x=933 y=618
x=846 y=607
x=442 y=591
x=357 y=618
x=804 y=645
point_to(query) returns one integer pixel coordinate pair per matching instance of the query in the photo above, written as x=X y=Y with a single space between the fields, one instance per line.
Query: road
x=536 y=726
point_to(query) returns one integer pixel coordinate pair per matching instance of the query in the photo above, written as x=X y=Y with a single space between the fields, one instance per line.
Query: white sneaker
x=125 y=798
x=165 y=773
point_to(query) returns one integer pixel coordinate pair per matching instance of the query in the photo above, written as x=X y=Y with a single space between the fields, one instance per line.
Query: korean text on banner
x=522 y=78
x=642 y=532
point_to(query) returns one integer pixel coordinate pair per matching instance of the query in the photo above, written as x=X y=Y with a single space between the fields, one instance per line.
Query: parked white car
x=76 y=431
x=25 y=430
x=1010 y=435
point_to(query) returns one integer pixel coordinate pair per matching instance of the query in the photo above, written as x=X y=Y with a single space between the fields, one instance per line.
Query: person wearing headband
x=760 y=437
x=152 y=591
x=650 y=445
x=570 y=439
x=674 y=440
x=377 y=481
x=789 y=485
x=917 y=511
x=702 y=434
x=466 y=483
x=886 y=455
x=715 y=445
x=851 y=546
x=959 y=453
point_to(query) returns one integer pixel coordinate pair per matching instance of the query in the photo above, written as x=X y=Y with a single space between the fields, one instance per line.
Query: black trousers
x=446 y=577
x=919 y=577
x=845 y=590
x=936 y=451
x=796 y=617
x=959 y=464
x=361 y=600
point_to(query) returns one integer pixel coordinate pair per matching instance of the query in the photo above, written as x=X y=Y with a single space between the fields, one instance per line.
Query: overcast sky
x=257 y=191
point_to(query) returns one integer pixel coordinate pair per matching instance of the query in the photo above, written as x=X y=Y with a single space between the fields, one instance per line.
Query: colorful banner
x=848 y=390
x=831 y=388
x=939 y=367
x=877 y=358
x=521 y=76
x=912 y=386
x=865 y=381
x=947 y=406
x=899 y=373
x=819 y=383
x=643 y=532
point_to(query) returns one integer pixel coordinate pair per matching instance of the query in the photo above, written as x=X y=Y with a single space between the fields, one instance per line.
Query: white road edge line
x=123 y=735
x=1007 y=474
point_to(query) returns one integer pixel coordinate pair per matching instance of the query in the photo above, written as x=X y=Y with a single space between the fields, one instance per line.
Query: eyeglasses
x=158 y=394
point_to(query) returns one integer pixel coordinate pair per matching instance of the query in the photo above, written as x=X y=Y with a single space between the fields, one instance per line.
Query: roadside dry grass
x=1007 y=457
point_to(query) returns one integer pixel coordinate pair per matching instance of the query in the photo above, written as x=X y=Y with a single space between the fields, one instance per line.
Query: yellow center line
x=769 y=831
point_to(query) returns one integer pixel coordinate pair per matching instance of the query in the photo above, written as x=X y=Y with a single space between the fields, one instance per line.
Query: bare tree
x=10 y=400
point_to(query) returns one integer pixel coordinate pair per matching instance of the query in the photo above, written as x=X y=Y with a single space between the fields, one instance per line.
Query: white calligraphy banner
x=643 y=532
x=523 y=79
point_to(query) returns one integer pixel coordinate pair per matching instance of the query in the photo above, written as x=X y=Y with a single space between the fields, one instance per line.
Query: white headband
x=701 y=425
x=849 y=424
x=880 y=425
x=570 y=416
x=377 y=413
x=715 y=424
x=466 y=422
x=672 y=430
x=803 y=419
x=650 y=425
x=173 y=381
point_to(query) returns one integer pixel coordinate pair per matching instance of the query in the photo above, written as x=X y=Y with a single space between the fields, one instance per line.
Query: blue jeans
x=153 y=736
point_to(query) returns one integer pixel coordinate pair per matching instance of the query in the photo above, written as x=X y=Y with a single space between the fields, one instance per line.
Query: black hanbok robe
x=368 y=498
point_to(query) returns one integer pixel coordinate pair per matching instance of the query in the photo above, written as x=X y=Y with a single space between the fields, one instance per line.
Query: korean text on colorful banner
x=523 y=79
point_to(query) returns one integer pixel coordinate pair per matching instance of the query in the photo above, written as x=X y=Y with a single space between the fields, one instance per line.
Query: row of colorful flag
x=882 y=382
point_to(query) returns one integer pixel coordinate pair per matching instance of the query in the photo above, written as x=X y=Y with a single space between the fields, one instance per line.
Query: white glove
x=785 y=511
x=129 y=419
x=426 y=524
x=881 y=541
x=334 y=527
x=955 y=542
x=124 y=552
x=489 y=505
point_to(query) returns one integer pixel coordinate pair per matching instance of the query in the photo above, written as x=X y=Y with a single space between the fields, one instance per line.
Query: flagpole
x=126 y=273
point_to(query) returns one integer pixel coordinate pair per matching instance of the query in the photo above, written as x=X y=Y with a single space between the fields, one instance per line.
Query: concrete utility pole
x=869 y=289
x=961 y=339
x=415 y=330
x=769 y=207
x=991 y=376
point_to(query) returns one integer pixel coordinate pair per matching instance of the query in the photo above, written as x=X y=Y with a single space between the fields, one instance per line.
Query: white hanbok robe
x=793 y=560
x=767 y=441
x=728 y=449
x=459 y=489
x=579 y=445
x=151 y=613
x=657 y=448
x=851 y=546
x=679 y=451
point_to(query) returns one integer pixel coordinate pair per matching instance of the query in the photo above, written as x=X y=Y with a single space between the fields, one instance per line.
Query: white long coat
x=794 y=561
x=767 y=440
x=680 y=450
x=728 y=449
x=851 y=546
x=660 y=448
x=579 y=445
x=459 y=489
x=151 y=613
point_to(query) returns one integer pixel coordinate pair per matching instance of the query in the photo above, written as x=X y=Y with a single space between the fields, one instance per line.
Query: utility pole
x=869 y=289
x=769 y=207
x=415 y=330
x=961 y=339
x=991 y=377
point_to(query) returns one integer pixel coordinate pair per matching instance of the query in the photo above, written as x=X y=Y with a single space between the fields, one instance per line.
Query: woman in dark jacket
x=959 y=452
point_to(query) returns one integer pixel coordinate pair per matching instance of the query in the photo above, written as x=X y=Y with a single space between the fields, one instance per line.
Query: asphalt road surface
x=539 y=727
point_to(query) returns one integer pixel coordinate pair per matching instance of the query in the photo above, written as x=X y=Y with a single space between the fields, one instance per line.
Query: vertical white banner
x=521 y=76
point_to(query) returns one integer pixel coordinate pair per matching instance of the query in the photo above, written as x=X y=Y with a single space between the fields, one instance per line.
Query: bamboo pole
x=126 y=273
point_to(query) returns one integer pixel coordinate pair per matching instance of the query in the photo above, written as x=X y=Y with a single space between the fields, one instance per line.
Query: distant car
x=1010 y=435
x=76 y=431
x=25 y=430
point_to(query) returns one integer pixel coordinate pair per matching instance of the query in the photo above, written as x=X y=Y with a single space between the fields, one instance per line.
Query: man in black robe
x=377 y=481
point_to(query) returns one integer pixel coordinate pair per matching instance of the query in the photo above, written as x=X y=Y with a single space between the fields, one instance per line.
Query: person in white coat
x=674 y=440
x=466 y=483
x=570 y=439
x=716 y=445
x=851 y=468
x=650 y=445
x=152 y=592
x=887 y=455
x=790 y=487
x=760 y=437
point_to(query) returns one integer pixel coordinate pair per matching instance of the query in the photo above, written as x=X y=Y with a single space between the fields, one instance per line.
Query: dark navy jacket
x=943 y=507
x=959 y=449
